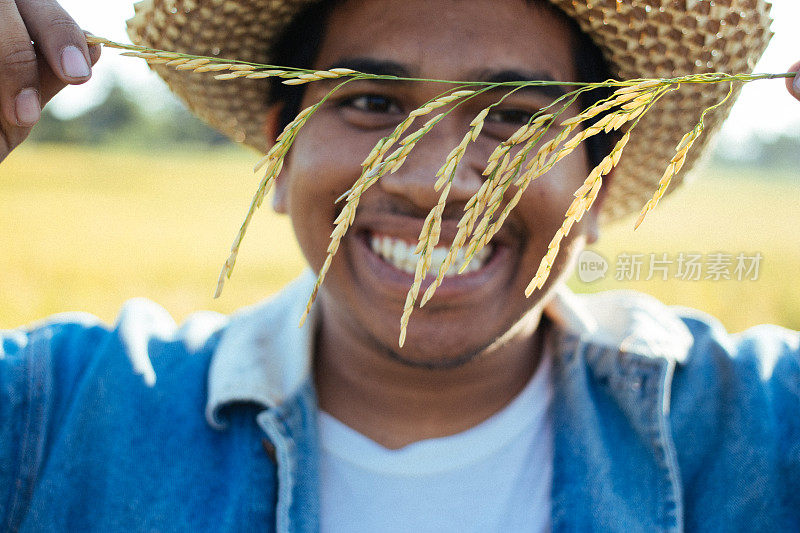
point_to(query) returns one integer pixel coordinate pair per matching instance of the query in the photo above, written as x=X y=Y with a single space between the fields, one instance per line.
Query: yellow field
x=86 y=230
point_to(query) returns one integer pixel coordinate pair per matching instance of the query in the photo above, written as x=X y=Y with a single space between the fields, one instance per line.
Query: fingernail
x=796 y=85
x=73 y=63
x=28 y=108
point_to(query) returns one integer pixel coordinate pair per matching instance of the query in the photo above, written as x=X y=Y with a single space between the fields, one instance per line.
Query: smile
x=400 y=254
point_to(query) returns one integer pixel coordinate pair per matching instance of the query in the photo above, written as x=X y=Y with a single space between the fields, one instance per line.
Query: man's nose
x=415 y=180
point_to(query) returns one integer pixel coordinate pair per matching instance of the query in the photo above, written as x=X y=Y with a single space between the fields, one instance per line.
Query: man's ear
x=270 y=129
x=592 y=225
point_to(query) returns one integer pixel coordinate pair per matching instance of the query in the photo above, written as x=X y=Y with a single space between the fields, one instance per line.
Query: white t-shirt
x=495 y=476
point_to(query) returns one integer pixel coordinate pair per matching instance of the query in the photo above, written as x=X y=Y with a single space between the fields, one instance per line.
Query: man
x=500 y=413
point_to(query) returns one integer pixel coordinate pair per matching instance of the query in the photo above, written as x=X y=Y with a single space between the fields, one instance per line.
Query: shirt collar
x=264 y=357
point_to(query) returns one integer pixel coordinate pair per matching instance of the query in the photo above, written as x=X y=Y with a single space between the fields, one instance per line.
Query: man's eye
x=509 y=116
x=373 y=103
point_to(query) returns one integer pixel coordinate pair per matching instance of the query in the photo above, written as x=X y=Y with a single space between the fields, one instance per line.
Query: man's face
x=366 y=287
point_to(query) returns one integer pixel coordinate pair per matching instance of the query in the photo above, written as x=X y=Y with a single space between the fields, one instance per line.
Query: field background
x=86 y=229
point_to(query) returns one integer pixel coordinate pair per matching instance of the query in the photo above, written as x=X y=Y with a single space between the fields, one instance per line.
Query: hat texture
x=639 y=39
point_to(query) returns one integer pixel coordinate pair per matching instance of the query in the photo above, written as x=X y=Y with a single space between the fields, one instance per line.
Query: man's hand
x=793 y=84
x=32 y=73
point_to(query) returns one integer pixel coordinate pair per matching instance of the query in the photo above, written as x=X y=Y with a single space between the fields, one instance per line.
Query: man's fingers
x=19 y=79
x=793 y=84
x=94 y=53
x=58 y=38
x=50 y=84
x=41 y=50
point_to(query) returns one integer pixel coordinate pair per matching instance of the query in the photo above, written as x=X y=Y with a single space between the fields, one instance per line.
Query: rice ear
x=486 y=211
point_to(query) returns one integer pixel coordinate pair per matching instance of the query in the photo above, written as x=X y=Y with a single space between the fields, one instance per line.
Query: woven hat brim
x=639 y=39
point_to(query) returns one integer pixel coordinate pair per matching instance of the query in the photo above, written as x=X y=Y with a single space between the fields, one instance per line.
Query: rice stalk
x=586 y=195
x=488 y=198
x=633 y=101
x=273 y=162
x=429 y=236
x=260 y=70
x=678 y=159
x=374 y=167
x=480 y=221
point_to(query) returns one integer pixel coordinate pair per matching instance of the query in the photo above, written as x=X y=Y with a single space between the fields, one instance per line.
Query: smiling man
x=500 y=412
x=480 y=327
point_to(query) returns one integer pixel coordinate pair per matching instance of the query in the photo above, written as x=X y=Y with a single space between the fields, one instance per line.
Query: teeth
x=401 y=255
x=438 y=256
x=386 y=247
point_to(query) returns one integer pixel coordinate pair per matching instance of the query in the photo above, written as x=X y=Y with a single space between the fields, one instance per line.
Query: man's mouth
x=400 y=254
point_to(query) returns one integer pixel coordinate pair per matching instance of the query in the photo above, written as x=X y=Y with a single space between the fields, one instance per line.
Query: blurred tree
x=120 y=119
x=778 y=152
x=177 y=125
x=51 y=129
x=783 y=151
x=110 y=117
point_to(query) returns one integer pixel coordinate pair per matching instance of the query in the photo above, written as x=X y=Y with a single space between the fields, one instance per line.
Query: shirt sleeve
x=18 y=377
x=774 y=354
x=37 y=365
x=736 y=423
x=55 y=373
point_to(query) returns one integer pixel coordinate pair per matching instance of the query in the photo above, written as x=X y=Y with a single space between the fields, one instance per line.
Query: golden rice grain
x=480 y=221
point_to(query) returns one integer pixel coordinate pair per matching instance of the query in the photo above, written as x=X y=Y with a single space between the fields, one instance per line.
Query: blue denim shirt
x=662 y=421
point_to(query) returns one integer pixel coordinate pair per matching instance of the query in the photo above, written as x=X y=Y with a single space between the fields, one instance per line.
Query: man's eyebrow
x=382 y=67
x=369 y=65
x=551 y=92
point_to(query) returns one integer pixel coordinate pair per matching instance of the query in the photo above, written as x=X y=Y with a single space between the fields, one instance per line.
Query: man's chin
x=434 y=363
x=424 y=352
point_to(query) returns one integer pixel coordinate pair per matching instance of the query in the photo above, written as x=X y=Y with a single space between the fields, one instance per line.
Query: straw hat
x=639 y=38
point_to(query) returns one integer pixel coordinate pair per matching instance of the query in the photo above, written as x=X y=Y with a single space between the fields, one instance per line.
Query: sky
x=764 y=108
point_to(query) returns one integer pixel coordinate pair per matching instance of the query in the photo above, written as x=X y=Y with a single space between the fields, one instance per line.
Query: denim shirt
x=662 y=421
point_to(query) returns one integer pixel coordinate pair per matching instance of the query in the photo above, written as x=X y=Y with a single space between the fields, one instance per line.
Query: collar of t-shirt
x=431 y=456
x=495 y=476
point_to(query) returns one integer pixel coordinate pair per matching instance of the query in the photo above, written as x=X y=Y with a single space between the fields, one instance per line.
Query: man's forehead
x=469 y=37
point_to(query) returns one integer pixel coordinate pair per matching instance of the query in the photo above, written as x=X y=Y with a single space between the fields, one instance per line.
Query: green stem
x=690 y=78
